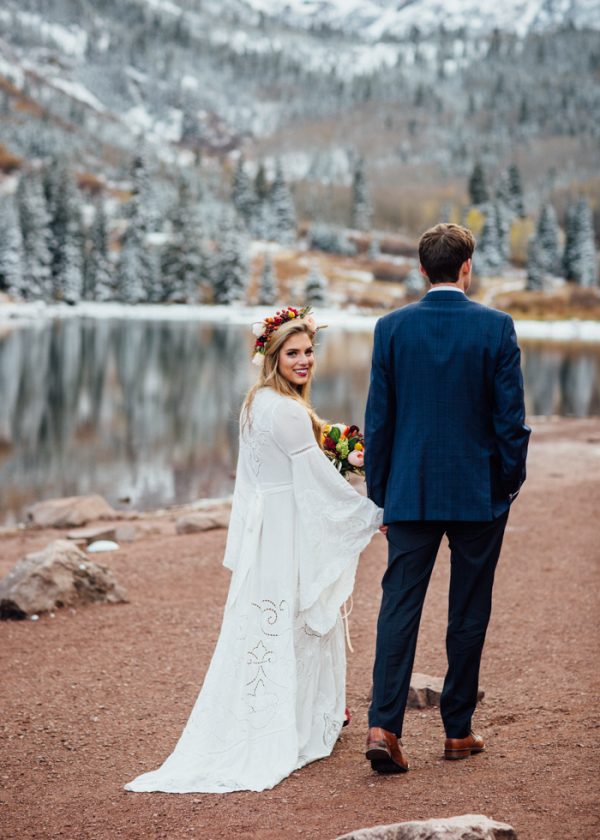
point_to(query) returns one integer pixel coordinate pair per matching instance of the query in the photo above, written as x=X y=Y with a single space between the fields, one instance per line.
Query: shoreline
x=352 y=319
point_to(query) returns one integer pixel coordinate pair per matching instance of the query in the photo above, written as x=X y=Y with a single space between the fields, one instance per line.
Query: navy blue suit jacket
x=445 y=433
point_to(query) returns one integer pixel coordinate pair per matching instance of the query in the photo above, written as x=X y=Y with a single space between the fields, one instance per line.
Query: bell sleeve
x=333 y=525
x=240 y=505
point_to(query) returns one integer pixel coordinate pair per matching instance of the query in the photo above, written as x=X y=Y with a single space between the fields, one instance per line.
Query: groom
x=446 y=442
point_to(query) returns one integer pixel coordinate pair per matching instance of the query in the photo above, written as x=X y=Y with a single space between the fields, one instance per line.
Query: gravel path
x=91 y=698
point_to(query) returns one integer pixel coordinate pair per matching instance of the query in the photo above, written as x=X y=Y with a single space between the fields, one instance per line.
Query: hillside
x=421 y=93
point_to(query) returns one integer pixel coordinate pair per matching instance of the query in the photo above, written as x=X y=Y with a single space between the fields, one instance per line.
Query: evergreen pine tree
x=267 y=290
x=502 y=217
x=282 y=209
x=184 y=261
x=362 y=210
x=374 y=252
x=11 y=250
x=261 y=185
x=143 y=203
x=315 y=291
x=242 y=193
x=130 y=287
x=66 y=242
x=515 y=191
x=488 y=257
x=477 y=186
x=580 y=260
x=330 y=238
x=34 y=220
x=139 y=268
x=570 y=241
x=547 y=237
x=230 y=269
x=536 y=266
x=503 y=196
x=98 y=278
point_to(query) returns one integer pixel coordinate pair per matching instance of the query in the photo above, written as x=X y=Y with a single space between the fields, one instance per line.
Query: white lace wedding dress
x=274 y=695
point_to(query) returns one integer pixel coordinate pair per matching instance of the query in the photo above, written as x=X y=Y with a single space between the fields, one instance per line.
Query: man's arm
x=512 y=433
x=379 y=421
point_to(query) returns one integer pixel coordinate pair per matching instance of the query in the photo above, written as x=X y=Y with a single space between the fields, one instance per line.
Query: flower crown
x=263 y=330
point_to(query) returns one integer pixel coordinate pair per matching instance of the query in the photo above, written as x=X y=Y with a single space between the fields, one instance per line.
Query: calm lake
x=145 y=412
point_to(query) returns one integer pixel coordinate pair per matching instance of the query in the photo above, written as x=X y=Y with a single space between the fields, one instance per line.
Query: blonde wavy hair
x=270 y=377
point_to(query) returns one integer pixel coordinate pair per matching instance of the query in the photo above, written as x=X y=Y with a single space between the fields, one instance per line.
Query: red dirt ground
x=90 y=698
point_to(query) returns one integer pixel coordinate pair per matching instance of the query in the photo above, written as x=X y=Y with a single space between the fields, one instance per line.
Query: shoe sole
x=382 y=762
x=457 y=755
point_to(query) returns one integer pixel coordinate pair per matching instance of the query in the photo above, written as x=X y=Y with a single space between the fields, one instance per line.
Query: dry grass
x=90 y=183
x=349 y=286
x=566 y=303
x=9 y=162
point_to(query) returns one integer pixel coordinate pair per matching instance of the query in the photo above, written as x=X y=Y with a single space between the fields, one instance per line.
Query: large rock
x=467 y=827
x=58 y=576
x=192 y=523
x=70 y=512
x=426 y=691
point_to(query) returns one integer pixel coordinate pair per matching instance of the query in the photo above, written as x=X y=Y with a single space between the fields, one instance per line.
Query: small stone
x=426 y=691
x=102 y=545
x=466 y=827
x=90 y=535
x=192 y=523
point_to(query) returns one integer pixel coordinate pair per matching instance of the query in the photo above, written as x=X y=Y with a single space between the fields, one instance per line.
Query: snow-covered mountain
x=379 y=19
x=412 y=83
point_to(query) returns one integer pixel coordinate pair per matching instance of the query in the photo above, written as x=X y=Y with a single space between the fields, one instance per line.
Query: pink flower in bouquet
x=356 y=458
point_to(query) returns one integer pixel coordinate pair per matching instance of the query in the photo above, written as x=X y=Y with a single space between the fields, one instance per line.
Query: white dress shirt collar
x=445 y=287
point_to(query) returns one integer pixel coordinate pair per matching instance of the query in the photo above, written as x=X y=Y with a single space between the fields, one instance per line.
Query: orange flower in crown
x=263 y=330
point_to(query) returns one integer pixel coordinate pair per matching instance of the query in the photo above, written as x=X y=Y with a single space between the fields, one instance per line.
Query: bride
x=273 y=698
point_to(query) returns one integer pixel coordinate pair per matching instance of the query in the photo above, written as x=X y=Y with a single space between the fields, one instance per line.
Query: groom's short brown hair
x=442 y=251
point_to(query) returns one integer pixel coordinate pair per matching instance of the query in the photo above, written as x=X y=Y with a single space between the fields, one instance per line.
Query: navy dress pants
x=412 y=549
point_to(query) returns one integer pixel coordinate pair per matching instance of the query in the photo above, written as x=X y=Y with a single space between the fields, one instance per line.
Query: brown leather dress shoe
x=384 y=751
x=456 y=748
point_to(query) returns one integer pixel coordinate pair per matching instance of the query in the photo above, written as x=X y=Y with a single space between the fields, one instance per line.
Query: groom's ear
x=423 y=272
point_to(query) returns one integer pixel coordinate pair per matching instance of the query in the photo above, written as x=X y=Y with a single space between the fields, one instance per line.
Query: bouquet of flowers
x=345 y=448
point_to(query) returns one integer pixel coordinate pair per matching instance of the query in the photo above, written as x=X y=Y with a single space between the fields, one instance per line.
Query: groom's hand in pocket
x=384 y=529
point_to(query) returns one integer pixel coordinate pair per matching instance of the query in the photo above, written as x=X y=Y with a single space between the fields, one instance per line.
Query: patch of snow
x=12 y=72
x=375 y=19
x=137 y=119
x=170 y=129
x=242 y=315
x=261 y=246
x=72 y=40
x=164 y=6
x=361 y=276
x=77 y=91
x=189 y=82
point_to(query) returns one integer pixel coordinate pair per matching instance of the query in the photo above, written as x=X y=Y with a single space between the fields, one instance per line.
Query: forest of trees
x=196 y=249
x=189 y=249
x=550 y=253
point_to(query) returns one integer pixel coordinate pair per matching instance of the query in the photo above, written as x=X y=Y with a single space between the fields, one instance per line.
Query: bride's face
x=296 y=359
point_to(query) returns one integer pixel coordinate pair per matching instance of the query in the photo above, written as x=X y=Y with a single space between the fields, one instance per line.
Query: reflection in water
x=562 y=380
x=148 y=410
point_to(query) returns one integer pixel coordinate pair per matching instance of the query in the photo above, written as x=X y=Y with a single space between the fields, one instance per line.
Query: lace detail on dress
x=257 y=434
